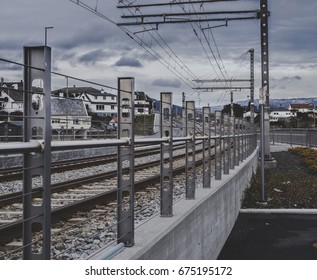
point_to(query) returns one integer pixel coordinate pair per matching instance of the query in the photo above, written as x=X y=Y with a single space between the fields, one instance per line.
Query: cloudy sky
x=90 y=47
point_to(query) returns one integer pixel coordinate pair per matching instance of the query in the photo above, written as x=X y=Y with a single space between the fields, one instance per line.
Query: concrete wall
x=198 y=228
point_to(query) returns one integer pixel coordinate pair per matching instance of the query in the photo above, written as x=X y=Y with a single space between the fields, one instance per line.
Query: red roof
x=302 y=106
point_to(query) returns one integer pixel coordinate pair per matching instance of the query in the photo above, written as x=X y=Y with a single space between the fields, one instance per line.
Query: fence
x=294 y=136
x=230 y=139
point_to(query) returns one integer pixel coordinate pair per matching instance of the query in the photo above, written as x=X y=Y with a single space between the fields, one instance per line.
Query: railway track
x=65 y=203
x=16 y=173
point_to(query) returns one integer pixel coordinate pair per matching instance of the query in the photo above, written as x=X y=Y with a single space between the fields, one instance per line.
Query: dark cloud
x=167 y=83
x=93 y=57
x=291 y=79
x=9 y=66
x=282 y=83
x=130 y=62
x=310 y=66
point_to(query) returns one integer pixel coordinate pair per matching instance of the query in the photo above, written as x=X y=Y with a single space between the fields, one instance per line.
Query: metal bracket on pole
x=37 y=125
x=218 y=133
x=166 y=155
x=206 y=148
x=226 y=144
x=126 y=159
x=190 y=150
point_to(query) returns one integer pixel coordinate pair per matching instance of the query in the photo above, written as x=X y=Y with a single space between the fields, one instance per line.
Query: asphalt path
x=257 y=236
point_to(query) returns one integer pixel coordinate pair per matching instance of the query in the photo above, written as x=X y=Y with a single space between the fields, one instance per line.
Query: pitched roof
x=77 y=90
x=70 y=107
x=302 y=106
x=15 y=94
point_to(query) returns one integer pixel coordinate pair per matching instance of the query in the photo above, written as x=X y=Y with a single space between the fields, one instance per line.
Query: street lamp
x=47 y=27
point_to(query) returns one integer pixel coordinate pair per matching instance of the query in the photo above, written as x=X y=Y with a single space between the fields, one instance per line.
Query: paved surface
x=272 y=237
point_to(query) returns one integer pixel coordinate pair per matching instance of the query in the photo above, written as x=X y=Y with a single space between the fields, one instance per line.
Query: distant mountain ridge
x=276 y=103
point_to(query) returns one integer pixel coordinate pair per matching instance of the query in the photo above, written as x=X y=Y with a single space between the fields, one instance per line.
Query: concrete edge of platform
x=280 y=211
x=186 y=235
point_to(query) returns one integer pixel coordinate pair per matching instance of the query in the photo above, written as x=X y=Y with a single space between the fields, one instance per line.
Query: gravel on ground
x=293 y=184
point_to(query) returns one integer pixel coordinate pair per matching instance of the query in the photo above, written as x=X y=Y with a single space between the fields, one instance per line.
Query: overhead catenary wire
x=177 y=59
x=205 y=51
x=139 y=41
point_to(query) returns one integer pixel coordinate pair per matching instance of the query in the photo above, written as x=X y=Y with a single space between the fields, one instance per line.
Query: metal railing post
x=218 y=134
x=166 y=176
x=206 y=148
x=236 y=140
x=244 y=146
x=190 y=150
x=125 y=192
x=37 y=124
x=225 y=144
x=232 y=142
x=240 y=141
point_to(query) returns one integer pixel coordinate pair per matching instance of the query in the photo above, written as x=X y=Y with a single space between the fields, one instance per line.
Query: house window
x=100 y=107
x=140 y=110
x=105 y=98
x=112 y=107
x=76 y=121
x=112 y=97
x=96 y=97
x=56 y=121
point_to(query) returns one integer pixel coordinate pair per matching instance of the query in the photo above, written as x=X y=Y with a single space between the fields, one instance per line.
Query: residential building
x=281 y=114
x=70 y=115
x=301 y=108
x=11 y=97
x=96 y=101
x=143 y=104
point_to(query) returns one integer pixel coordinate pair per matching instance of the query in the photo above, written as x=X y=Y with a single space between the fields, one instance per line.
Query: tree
x=237 y=110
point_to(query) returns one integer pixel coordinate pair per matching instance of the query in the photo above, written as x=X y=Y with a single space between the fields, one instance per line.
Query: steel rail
x=15 y=173
x=16 y=197
x=13 y=230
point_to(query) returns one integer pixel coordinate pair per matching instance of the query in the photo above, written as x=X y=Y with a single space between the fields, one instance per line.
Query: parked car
x=110 y=128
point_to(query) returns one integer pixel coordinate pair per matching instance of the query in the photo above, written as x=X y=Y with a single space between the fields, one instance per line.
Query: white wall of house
x=277 y=115
x=141 y=107
x=11 y=105
x=71 y=122
x=103 y=105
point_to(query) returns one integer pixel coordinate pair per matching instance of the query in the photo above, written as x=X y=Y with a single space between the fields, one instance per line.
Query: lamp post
x=46 y=28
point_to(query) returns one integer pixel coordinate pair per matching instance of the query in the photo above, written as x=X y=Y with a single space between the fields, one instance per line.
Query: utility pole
x=231 y=104
x=251 y=51
x=45 y=35
x=264 y=14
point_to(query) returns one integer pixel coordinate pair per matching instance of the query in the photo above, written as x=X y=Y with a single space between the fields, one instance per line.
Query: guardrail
x=294 y=136
x=233 y=140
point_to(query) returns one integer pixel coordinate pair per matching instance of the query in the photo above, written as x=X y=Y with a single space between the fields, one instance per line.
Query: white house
x=301 y=107
x=281 y=114
x=70 y=115
x=96 y=101
x=11 y=97
x=142 y=103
